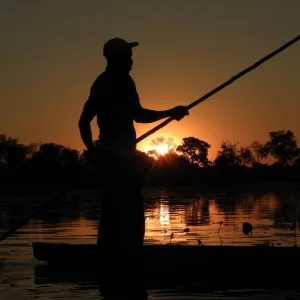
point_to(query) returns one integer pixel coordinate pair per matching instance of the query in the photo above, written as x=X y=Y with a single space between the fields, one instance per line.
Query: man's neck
x=115 y=69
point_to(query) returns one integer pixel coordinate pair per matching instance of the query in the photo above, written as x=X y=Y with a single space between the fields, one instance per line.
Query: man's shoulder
x=101 y=78
x=100 y=83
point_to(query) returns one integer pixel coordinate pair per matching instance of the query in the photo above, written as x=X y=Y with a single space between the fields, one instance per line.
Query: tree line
x=185 y=163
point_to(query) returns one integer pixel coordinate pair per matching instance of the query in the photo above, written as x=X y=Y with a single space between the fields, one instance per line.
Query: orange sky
x=51 y=53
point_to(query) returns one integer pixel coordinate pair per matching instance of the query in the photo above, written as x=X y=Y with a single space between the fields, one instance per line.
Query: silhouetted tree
x=48 y=156
x=12 y=152
x=282 y=146
x=195 y=150
x=51 y=151
x=55 y=163
x=297 y=159
x=69 y=157
x=4 y=169
x=152 y=153
x=246 y=156
x=32 y=150
x=259 y=151
x=16 y=156
x=228 y=155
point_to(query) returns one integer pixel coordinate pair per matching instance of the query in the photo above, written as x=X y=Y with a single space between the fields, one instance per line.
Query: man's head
x=118 y=53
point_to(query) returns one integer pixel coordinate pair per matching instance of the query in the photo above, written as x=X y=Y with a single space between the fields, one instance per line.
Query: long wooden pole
x=222 y=86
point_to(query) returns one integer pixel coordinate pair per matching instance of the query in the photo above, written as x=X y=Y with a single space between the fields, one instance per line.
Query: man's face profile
x=123 y=60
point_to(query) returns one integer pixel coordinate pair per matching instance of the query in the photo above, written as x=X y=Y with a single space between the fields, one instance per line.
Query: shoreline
x=18 y=188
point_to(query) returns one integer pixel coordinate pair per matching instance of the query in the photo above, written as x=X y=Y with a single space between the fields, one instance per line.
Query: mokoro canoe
x=260 y=264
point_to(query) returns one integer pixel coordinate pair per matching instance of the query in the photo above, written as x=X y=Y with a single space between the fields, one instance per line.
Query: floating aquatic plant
x=172 y=235
x=219 y=233
x=220 y=226
x=247 y=228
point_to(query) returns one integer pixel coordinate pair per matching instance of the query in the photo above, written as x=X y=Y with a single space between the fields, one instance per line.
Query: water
x=213 y=218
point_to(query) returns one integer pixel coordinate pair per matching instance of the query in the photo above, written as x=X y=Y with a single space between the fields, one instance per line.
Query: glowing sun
x=162 y=149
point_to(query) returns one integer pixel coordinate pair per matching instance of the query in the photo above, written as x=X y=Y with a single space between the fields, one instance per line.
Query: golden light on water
x=207 y=219
x=164 y=215
x=214 y=220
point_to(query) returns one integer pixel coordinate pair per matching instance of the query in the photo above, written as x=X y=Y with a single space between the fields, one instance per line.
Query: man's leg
x=109 y=229
x=134 y=221
x=133 y=240
x=109 y=233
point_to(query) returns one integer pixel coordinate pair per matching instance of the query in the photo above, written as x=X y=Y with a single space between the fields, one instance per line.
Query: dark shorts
x=116 y=170
x=121 y=205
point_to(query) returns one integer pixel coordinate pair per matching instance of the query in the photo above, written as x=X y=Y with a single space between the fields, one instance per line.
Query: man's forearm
x=149 y=116
x=86 y=135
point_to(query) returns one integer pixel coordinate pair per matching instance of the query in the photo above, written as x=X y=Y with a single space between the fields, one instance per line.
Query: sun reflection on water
x=164 y=215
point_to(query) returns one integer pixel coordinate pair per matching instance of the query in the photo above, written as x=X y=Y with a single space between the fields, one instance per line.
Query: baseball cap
x=117 y=45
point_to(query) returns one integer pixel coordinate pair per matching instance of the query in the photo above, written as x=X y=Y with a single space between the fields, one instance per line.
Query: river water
x=212 y=218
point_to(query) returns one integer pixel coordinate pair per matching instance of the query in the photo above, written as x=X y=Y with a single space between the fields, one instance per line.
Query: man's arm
x=144 y=115
x=84 y=124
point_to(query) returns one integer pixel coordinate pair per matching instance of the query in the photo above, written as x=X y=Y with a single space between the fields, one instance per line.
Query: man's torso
x=116 y=100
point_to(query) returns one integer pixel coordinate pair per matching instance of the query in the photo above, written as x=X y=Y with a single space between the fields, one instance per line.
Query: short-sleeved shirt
x=115 y=100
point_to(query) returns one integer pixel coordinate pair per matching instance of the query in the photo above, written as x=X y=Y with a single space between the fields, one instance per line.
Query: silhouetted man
x=115 y=101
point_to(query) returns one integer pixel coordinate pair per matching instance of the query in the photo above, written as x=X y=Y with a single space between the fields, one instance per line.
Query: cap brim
x=133 y=44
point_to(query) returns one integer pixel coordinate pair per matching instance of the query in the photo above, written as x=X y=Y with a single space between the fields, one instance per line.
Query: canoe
x=257 y=266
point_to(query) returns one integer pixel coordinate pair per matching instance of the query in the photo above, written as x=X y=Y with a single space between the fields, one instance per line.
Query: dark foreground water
x=213 y=218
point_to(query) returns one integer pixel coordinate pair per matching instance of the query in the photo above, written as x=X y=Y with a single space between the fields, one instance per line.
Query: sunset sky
x=51 y=52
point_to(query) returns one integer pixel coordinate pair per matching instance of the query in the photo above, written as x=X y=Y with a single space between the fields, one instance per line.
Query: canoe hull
x=260 y=266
